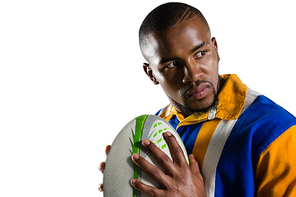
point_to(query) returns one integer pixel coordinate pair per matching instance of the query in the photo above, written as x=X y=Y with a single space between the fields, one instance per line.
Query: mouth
x=198 y=92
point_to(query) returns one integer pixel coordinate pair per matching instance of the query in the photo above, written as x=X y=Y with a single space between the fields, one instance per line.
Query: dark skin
x=180 y=179
x=184 y=61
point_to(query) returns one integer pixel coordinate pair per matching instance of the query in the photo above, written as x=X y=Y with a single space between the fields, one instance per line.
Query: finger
x=161 y=157
x=146 y=189
x=176 y=150
x=153 y=171
x=102 y=167
x=194 y=165
x=101 y=187
x=107 y=149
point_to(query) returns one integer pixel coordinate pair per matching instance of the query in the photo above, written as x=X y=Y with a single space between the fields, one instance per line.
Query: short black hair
x=166 y=16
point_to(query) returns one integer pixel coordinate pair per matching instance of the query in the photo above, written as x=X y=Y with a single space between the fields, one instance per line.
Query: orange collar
x=231 y=101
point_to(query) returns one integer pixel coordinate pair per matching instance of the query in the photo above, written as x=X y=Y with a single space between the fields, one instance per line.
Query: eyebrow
x=164 y=60
x=199 y=46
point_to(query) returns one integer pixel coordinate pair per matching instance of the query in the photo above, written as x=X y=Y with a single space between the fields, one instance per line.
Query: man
x=240 y=142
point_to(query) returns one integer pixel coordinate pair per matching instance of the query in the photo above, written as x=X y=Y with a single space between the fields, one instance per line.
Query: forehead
x=181 y=38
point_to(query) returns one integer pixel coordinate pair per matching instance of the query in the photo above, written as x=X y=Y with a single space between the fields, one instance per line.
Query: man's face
x=184 y=61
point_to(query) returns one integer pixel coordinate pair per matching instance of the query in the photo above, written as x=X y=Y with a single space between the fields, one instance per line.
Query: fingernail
x=133 y=182
x=135 y=156
x=101 y=187
x=168 y=133
x=146 y=142
x=101 y=167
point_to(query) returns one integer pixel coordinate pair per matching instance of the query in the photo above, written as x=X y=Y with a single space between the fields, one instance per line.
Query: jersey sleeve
x=276 y=167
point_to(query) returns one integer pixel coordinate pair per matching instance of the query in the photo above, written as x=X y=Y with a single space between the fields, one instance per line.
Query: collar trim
x=230 y=105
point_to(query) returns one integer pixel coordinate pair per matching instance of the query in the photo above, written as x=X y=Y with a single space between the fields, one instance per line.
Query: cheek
x=211 y=65
x=171 y=83
x=170 y=77
x=215 y=75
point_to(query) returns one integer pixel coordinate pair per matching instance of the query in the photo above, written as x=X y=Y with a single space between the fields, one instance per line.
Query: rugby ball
x=120 y=169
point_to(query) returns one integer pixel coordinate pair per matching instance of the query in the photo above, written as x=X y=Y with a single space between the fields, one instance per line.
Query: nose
x=192 y=73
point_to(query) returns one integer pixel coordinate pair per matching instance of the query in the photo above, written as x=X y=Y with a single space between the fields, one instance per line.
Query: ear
x=215 y=44
x=149 y=73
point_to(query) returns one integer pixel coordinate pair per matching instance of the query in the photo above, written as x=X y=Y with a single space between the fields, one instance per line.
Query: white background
x=71 y=77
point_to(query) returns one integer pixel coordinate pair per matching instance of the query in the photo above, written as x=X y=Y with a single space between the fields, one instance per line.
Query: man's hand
x=179 y=179
x=102 y=166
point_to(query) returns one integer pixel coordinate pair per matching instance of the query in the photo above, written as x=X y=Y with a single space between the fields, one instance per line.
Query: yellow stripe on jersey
x=203 y=139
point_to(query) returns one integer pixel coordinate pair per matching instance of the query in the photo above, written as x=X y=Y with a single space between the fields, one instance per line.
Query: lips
x=198 y=92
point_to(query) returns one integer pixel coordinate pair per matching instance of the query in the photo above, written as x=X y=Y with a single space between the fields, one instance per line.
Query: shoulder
x=265 y=121
x=273 y=131
x=263 y=110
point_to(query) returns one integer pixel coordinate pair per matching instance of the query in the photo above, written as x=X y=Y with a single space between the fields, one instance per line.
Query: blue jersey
x=246 y=146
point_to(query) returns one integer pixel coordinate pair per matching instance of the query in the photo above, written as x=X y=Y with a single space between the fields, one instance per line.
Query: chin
x=203 y=105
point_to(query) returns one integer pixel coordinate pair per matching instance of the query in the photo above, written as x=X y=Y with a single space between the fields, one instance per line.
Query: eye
x=172 y=65
x=199 y=54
